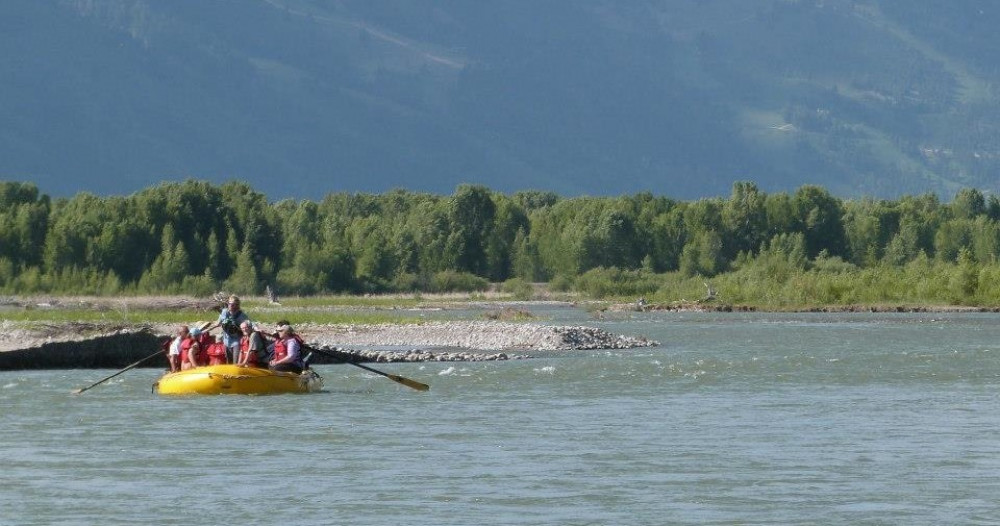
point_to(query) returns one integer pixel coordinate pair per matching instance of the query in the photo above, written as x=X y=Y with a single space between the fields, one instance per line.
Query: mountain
x=599 y=97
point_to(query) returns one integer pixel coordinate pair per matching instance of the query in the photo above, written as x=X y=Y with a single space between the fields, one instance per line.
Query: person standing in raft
x=174 y=353
x=287 y=351
x=253 y=353
x=230 y=319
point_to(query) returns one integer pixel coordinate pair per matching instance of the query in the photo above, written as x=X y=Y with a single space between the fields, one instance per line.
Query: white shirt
x=175 y=347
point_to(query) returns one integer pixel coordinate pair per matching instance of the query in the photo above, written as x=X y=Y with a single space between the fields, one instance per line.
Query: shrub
x=561 y=283
x=519 y=288
x=606 y=282
x=451 y=281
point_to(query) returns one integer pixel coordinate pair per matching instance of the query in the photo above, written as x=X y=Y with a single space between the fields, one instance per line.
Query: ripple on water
x=896 y=425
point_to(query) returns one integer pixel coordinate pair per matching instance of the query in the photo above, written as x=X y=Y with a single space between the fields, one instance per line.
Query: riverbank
x=50 y=332
x=72 y=344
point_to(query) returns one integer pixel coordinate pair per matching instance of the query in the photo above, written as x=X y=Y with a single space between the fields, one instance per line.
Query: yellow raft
x=233 y=379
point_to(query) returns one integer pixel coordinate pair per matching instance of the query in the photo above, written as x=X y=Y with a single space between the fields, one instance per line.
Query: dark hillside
x=305 y=97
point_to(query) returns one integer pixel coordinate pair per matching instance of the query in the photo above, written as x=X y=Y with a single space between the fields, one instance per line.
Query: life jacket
x=199 y=358
x=251 y=360
x=205 y=340
x=216 y=353
x=281 y=349
x=245 y=355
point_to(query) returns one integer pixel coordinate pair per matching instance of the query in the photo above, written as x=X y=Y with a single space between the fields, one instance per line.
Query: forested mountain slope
x=679 y=98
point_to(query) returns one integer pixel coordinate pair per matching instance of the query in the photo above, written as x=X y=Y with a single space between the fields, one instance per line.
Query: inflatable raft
x=233 y=379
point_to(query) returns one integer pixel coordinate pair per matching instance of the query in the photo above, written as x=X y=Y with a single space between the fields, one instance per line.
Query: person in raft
x=217 y=352
x=174 y=354
x=253 y=353
x=287 y=351
x=230 y=319
x=192 y=355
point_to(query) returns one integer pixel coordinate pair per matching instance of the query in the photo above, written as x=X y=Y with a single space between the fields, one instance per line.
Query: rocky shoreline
x=473 y=339
x=75 y=345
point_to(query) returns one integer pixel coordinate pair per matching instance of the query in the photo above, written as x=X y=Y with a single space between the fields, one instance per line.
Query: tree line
x=194 y=237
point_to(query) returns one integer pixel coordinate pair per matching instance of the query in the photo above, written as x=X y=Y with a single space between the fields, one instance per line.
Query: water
x=735 y=419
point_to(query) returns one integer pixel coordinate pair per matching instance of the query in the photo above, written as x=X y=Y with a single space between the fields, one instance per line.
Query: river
x=743 y=418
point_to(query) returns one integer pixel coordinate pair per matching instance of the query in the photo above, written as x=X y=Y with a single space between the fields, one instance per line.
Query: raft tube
x=234 y=379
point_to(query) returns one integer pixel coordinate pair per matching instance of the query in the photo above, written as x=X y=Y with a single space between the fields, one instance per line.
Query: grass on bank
x=780 y=284
x=765 y=283
x=161 y=316
x=329 y=309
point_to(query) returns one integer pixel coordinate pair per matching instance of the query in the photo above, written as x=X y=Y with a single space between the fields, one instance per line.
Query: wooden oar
x=412 y=384
x=165 y=348
x=133 y=366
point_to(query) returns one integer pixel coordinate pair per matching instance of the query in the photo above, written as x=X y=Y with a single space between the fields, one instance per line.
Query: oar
x=133 y=366
x=413 y=384
x=163 y=349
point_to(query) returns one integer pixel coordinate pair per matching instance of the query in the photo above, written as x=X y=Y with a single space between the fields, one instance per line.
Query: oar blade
x=413 y=384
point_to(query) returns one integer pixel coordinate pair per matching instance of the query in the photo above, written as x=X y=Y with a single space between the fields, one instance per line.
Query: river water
x=733 y=419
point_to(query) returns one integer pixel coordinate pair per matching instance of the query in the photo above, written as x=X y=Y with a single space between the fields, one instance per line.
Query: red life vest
x=245 y=354
x=216 y=353
x=281 y=348
x=186 y=344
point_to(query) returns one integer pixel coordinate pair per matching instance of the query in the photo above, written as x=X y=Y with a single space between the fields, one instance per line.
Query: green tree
x=527 y=262
x=703 y=255
x=218 y=262
x=24 y=218
x=821 y=218
x=951 y=238
x=532 y=200
x=744 y=217
x=667 y=239
x=610 y=242
x=781 y=215
x=508 y=220
x=245 y=278
x=985 y=239
x=905 y=246
x=471 y=212
x=869 y=226
x=376 y=265
x=969 y=203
